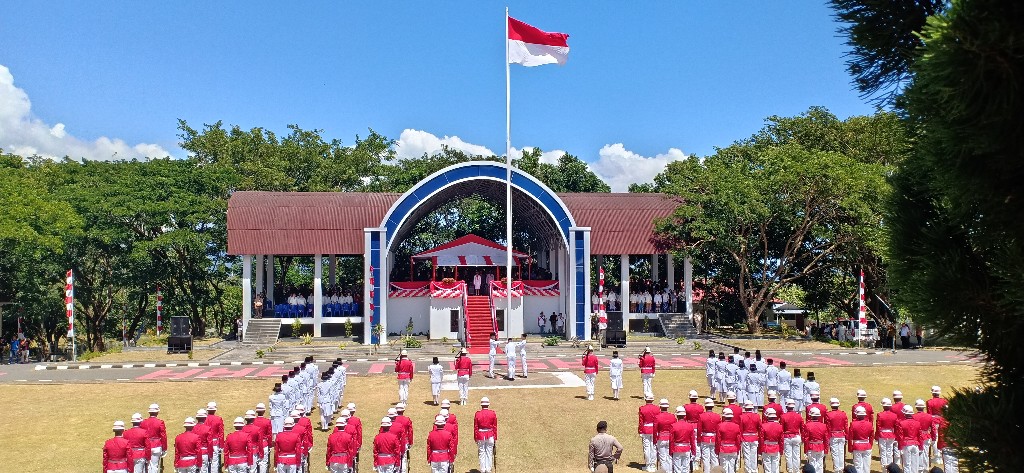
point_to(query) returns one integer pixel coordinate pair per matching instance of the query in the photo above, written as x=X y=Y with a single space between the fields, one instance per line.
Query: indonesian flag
x=530 y=46
x=69 y=301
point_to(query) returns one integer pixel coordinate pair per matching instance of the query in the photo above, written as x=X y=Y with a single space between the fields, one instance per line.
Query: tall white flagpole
x=508 y=180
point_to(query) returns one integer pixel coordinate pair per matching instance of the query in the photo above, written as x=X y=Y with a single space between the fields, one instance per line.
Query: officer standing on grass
x=589 y=362
x=186 y=449
x=138 y=451
x=115 y=451
x=604 y=449
x=485 y=432
x=439 y=447
x=404 y=369
x=156 y=431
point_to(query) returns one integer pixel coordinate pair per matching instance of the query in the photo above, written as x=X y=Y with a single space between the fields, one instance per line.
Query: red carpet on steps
x=478 y=321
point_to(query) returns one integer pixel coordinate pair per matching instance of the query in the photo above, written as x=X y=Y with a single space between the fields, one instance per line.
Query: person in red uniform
x=860 y=440
x=267 y=429
x=950 y=461
x=216 y=424
x=452 y=425
x=730 y=402
x=138 y=451
x=935 y=405
x=404 y=370
x=256 y=435
x=728 y=446
x=663 y=434
x=897 y=403
x=115 y=451
x=908 y=439
x=707 y=434
x=186 y=449
x=646 y=364
x=288 y=449
x=815 y=403
x=815 y=437
x=589 y=362
x=386 y=448
x=792 y=430
x=773 y=403
x=156 y=432
x=439 y=447
x=927 y=422
x=355 y=429
x=885 y=433
x=862 y=396
x=240 y=448
x=485 y=433
x=693 y=412
x=304 y=429
x=838 y=424
x=750 y=436
x=202 y=429
x=647 y=417
x=684 y=443
x=770 y=446
x=341 y=448
x=403 y=423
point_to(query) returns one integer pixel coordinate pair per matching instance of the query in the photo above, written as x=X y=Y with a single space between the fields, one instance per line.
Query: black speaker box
x=616 y=338
x=181 y=327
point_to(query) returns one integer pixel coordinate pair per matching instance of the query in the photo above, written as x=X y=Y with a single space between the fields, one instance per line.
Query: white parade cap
x=118 y=425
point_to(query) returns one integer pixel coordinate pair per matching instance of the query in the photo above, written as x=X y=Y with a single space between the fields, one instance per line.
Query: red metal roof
x=304 y=223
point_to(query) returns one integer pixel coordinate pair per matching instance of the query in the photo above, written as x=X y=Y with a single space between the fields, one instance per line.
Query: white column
x=246 y=291
x=259 y=274
x=587 y=289
x=688 y=285
x=318 y=294
x=367 y=313
x=624 y=296
x=332 y=271
x=654 y=268
x=270 y=279
x=670 y=271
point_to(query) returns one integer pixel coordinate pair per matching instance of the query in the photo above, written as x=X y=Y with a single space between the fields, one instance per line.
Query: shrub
x=296 y=327
x=551 y=341
x=342 y=346
x=260 y=354
x=307 y=339
x=696 y=345
x=411 y=342
x=680 y=340
x=348 y=327
x=445 y=340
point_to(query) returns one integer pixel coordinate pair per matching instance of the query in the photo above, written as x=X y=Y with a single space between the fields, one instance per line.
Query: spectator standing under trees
x=905 y=336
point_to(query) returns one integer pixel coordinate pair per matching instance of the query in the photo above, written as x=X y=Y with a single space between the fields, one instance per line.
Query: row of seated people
x=330 y=309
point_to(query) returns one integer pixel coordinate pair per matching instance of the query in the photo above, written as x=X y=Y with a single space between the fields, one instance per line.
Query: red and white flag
x=69 y=302
x=862 y=312
x=159 y=311
x=530 y=46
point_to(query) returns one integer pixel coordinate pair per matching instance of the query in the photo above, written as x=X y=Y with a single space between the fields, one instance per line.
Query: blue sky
x=643 y=85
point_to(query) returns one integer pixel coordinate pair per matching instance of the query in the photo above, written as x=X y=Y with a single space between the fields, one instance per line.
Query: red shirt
x=485 y=424
x=305 y=433
x=867 y=407
x=693 y=412
x=885 y=425
x=157 y=432
x=792 y=424
x=821 y=408
x=256 y=434
x=288 y=448
x=341 y=448
x=216 y=424
x=837 y=423
x=736 y=411
x=464 y=366
x=137 y=443
x=771 y=437
x=750 y=426
x=682 y=437
x=453 y=427
x=266 y=428
x=927 y=422
x=908 y=432
x=589 y=363
x=239 y=447
x=774 y=405
x=406 y=427
x=861 y=433
x=897 y=407
x=115 y=454
x=646 y=364
x=203 y=431
x=707 y=427
x=440 y=446
x=728 y=438
x=815 y=437
x=186 y=449
x=940 y=425
x=404 y=368
x=663 y=426
x=386 y=449
x=648 y=416
x=355 y=428
x=934 y=405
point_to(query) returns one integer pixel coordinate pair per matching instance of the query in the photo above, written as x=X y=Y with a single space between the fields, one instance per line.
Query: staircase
x=262 y=332
x=478 y=320
x=678 y=325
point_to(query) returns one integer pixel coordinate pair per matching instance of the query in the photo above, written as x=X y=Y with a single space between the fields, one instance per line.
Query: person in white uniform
x=510 y=358
x=615 y=373
x=492 y=353
x=521 y=350
x=436 y=372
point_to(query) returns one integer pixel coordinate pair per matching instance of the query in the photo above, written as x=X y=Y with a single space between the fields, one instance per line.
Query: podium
x=180 y=339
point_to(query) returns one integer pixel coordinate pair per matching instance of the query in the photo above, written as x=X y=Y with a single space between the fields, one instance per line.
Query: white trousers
x=122 y=470
x=911 y=458
x=791 y=450
x=589 y=380
x=264 y=460
x=155 y=454
x=438 y=467
x=817 y=461
x=526 y=370
x=664 y=457
x=950 y=463
x=485 y=450
x=204 y=466
x=325 y=415
x=681 y=462
x=711 y=384
x=749 y=450
x=616 y=382
x=837 y=450
x=464 y=387
x=650 y=451
x=243 y=468
x=403 y=390
x=386 y=469
x=729 y=461
x=511 y=367
x=886 y=449
x=783 y=397
x=862 y=461
x=771 y=462
x=139 y=466
x=646 y=379
x=925 y=455
x=435 y=389
x=276 y=424
x=338 y=468
x=187 y=469
x=708 y=457
x=490 y=365
x=287 y=468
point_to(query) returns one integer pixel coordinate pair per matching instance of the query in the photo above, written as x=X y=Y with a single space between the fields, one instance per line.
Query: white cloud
x=414 y=143
x=549 y=157
x=620 y=167
x=22 y=133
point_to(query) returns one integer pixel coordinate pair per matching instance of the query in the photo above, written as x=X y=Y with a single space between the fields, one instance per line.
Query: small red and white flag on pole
x=530 y=46
x=69 y=302
x=862 y=312
x=371 y=289
x=602 y=316
x=159 y=311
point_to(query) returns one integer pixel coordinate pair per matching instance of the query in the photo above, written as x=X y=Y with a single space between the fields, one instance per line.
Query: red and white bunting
x=371 y=289
x=445 y=291
x=159 y=311
x=69 y=302
x=862 y=312
x=602 y=316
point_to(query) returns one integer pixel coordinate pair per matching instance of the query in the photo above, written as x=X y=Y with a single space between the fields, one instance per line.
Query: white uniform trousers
x=708 y=457
x=204 y=466
x=325 y=416
x=121 y=470
x=287 y=468
x=139 y=466
x=650 y=451
x=862 y=461
x=438 y=467
x=276 y=424
x=616 y=382
x=187 y=469
x=837 y=450
x=950 y=463
x=646 y=379
x=791 y=450
x=711 y=384
x=817 y=461
x=681 y=462
x=911 y=458
x=885 y=451
x=749 y=450
x=729 y=461
x=490 y=365
x=386 y=469
x=783 y=397
x=435 y=389
x=925 y=455
x=265 y=460
x=771 y=462
x=589 y=378
x=664 y=457
x=741 y=395
x=403 y=390
x=242 y=468
x=339 y=468
x=155 y=454
x=485 y=450
x=511 y=367
x=464 y=387
x=526 y=371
